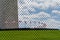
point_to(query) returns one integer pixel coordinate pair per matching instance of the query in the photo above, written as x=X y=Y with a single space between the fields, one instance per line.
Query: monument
x=8 y=14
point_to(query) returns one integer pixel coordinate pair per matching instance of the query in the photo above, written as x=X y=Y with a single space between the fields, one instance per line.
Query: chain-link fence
x=39 y=14
x=29 y=14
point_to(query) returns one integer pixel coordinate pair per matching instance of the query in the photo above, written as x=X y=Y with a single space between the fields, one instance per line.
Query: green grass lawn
x=30 y=35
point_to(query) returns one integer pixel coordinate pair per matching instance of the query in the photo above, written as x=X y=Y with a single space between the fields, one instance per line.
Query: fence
x=29 y=14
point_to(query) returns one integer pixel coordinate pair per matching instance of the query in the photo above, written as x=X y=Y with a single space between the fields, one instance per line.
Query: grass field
x=30 y=35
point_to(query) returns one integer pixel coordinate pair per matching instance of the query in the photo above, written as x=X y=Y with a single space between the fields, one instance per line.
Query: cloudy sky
x=47 y=11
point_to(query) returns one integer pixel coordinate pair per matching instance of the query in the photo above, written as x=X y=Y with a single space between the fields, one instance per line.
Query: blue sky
x=41 y=10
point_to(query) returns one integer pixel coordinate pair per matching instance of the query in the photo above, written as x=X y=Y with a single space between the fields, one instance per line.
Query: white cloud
x=44 y=4
x=51 y=23
x=39 y=15
x=56 y=12
x=49 y=3
x=43 y=15
x=29 y=5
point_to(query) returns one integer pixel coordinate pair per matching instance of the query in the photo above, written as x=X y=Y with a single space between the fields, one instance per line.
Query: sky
x=46 y=11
